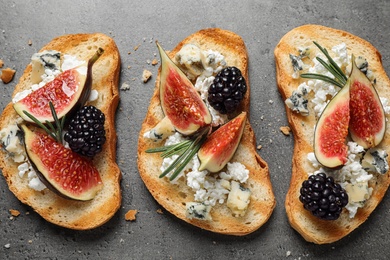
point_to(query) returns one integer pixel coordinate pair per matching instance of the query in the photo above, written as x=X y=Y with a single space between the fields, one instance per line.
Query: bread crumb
x=125 y=86
x=285 y=130
x=154 y=62
x=30 y=241
x=130 y=215
x=128 y=67
x=7 y=75
x=288 y=253
x=7 y=245
x=259 y=147
x=146 y=75
x=1 y=63
x=159 y=211
x=129 y=52
x=30 y=42
x=14 y=212
x=136 y=47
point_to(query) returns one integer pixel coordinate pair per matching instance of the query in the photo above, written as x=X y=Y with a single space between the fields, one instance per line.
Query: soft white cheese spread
x=209 y=189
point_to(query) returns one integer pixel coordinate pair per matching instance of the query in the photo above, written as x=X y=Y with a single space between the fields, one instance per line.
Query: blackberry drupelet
x=86 y=134
x=227 y=90
x=323 y=197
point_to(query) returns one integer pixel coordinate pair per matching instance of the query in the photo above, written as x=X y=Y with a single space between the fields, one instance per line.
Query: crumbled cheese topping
x=208 y=189
x=351 y=173
x=93 y=96
x=353 y=176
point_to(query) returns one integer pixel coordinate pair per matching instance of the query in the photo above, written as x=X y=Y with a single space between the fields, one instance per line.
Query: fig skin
x=222 y=144
x=331 y=130
x=81 y=185
x=367 y=123
x=79 y=98
x=180 y=101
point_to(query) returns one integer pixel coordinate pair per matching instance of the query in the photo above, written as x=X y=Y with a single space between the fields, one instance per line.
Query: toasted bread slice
x=55 y=209
x=173 y=197
x=312 y=228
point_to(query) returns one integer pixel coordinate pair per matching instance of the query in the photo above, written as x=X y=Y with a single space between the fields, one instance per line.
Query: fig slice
x=331 y=130
x=367 y=125
x=68 y=92
x=61 y=170
x=180 y=101
x=221 y=145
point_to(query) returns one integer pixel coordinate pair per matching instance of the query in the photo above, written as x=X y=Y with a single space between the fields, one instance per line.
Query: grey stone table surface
x=139 y=23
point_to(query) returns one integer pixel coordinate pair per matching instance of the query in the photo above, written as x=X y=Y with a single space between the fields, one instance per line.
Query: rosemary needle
x=340 y=77
x=56 y=134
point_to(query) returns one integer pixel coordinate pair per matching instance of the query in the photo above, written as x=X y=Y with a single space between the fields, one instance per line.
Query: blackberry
x=323 y=197
x=227 y=90
x=86 y=134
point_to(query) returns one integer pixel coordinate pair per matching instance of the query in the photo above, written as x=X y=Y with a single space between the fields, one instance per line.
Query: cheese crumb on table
x=125 y=86
x=146 y=75
x=154 y=62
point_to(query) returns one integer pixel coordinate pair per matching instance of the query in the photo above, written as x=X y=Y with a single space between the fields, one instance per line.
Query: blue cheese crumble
x=198 y=210
x=297 y=102
x=375 y=161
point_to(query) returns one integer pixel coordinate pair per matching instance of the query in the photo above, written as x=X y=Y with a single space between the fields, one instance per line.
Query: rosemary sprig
x=186 y=151
x=340 y=78
x=167 y=148
x=322 y=77
x=54 y=132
